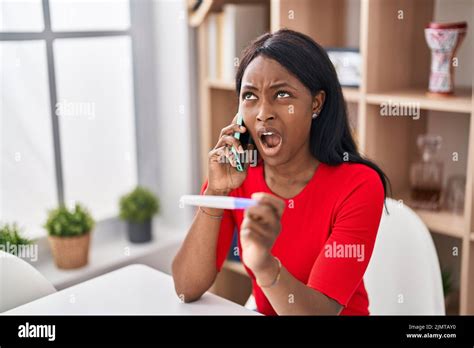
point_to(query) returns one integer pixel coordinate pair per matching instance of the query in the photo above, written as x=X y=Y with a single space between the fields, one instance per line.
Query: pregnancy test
x=218 y=202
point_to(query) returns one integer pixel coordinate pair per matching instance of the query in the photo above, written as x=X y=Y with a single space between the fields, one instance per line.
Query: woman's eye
x=283 y=94
x=249 y=96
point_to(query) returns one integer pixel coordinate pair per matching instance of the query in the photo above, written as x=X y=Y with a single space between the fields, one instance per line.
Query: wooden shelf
x=351 y=94
x=220 y=84
x=197 y=17
x=441 y=222
x=459 y=102
x=373 y=27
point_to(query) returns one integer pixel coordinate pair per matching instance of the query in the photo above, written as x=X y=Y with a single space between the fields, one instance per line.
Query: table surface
x=131 y=290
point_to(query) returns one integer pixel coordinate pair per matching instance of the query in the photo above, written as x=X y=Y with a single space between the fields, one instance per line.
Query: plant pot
x=70 y=252
x=139 y=232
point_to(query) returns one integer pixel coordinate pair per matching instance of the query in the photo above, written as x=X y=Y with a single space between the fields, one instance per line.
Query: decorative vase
x=70 y=252
x=443 y=40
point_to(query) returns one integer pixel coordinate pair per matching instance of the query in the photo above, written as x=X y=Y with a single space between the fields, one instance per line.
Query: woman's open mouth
x=270 y=141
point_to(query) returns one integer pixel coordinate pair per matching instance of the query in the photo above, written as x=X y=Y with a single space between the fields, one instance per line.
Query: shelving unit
x=395 y=67
x=441 y=222
x=351 y=94
x=223 y=85
x=460 y=102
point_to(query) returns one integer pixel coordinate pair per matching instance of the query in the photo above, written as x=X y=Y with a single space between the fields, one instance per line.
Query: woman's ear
x=318 y=101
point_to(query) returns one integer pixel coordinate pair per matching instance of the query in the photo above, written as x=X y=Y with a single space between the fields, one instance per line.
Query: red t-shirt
x=328 y=232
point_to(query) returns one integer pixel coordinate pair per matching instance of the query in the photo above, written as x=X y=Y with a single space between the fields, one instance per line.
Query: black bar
x=136 y=330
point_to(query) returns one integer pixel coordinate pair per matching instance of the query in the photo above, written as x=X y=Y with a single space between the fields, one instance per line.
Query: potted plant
x=69 y=235
x=11 y=240
x=137 y=208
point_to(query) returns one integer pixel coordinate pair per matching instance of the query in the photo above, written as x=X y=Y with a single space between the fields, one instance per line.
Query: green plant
x=139 y=205
x=64 y=222
x=10 y=235
x=447 y=279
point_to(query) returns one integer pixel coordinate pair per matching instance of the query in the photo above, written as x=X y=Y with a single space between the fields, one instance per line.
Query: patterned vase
x=443 y=39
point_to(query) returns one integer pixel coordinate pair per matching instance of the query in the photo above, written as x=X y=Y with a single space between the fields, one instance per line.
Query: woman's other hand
x=258 y=232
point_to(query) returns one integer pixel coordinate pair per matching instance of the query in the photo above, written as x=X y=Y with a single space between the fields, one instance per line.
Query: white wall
x=176 y=164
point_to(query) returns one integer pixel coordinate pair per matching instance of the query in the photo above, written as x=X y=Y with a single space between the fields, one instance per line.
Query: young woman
x=307 y=243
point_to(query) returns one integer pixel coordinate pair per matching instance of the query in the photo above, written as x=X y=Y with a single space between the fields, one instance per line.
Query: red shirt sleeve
x=226 y=233
x=341 y=264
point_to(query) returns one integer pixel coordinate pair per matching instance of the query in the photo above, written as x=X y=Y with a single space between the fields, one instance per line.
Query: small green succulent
x=64 y=222
x=139 y=205
x=10 y=235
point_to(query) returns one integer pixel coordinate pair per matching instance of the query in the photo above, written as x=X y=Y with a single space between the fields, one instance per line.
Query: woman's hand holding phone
x=222 y=173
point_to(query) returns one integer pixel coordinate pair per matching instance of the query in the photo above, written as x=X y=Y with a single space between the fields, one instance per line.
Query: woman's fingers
x=262 y=214
x=227 y=141
x=272 y=201
x=222 y=153
x=230 y=156
x=230 y=141
x=216 y=153
x=253 y=225
x=263 y=220
x=250 y=232
x=231 y=129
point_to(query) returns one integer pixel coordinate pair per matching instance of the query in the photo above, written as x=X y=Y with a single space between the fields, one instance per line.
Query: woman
x=307 y=242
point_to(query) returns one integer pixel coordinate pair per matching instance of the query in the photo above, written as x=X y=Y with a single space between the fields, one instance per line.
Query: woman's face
x=277 y=110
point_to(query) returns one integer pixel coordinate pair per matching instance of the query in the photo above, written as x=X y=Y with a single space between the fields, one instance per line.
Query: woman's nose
x=265 y=113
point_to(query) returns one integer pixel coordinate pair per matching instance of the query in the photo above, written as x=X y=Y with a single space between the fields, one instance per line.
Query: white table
x=132 y=290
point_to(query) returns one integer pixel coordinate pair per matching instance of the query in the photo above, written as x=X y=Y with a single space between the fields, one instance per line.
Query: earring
x=315 y=114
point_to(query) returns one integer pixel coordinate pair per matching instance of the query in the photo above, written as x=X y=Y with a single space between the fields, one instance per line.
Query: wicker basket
x=70 y=252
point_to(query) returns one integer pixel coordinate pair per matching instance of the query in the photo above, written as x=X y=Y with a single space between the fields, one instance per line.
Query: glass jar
x=426 y=175
x=455 y=194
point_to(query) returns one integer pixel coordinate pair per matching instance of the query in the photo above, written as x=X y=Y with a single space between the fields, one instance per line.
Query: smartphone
x=245 y=140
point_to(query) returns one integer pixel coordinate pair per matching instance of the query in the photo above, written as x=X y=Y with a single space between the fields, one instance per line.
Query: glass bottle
x=426 y=175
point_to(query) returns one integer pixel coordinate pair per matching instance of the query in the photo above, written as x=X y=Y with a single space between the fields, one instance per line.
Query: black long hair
x=331 y=141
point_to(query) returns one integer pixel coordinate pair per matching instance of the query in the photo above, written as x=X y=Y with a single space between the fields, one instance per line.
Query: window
x=67 y=118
